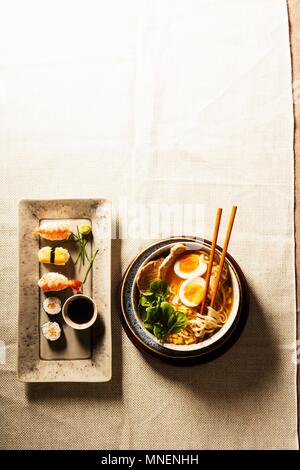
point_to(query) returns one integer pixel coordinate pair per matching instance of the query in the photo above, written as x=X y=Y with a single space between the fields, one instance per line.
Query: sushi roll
x=56 y=282
x=54 y=231
x=55 y=255
x=51 y=331
x=52 y=305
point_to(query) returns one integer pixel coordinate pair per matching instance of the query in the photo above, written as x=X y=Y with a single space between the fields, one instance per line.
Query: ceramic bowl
x=182 y=354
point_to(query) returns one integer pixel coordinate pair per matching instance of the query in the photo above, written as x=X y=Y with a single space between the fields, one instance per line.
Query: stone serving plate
x=77 y=356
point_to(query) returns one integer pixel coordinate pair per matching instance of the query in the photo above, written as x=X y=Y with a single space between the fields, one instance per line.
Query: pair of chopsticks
x=212 y=254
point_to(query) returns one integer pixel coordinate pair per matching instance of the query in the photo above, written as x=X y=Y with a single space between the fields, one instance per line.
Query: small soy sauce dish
x=80 y=312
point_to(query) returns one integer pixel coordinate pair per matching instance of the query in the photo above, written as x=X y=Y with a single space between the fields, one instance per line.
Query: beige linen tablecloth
x=157 y=102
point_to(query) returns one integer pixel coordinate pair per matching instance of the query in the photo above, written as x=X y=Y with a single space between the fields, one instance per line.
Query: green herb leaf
x=159 y=287
x=145 y=301
x=159 y=315
x=159 y=331
x=167 y=308
x=153 y=314
x=181 y=322
x=171 y=320
x=166 y=311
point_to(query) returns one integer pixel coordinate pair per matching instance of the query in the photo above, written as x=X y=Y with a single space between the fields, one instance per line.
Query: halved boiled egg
x=191 y=291
x=190 y=265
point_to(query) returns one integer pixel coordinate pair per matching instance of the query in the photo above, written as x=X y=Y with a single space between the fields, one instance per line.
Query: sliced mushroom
x=148 y=274
x=175 y=251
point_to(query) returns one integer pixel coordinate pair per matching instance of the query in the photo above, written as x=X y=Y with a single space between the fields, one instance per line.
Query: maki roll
x=52 y=305
x=51 y=331
x=55 y=255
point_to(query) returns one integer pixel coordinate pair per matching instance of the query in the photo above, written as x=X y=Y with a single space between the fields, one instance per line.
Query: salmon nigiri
x=54 y=230
x=55 y=282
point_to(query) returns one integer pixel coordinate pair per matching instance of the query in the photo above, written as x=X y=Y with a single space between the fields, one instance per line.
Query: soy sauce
x=81 y=310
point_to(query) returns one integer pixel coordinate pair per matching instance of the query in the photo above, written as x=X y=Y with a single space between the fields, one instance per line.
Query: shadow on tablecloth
x=250 y=366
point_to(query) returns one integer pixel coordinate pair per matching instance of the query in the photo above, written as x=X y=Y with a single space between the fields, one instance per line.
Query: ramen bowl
x=204 y=350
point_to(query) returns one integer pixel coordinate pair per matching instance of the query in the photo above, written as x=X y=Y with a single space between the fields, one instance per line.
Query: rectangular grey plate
x=75 y=357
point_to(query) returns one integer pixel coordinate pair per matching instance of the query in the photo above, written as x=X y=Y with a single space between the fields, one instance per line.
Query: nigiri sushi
x=51 y=330
x=55 y=255
x=56 y=282
x=54 y=231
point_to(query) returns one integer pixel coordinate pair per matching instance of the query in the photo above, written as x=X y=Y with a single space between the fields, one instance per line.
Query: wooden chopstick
x=211 y=257
x=224 y=251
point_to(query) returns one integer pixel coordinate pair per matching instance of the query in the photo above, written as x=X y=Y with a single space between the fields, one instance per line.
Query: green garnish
x=82 y=238
x=90 y=265
x=85 y=229
x=82 y=242
x=158 y=315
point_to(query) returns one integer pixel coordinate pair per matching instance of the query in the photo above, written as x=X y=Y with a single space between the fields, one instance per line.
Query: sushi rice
x=52 y=305
x=51 y=331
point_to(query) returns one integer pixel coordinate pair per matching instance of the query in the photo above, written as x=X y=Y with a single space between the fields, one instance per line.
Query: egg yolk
x=189 y=263
x=194 y=293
